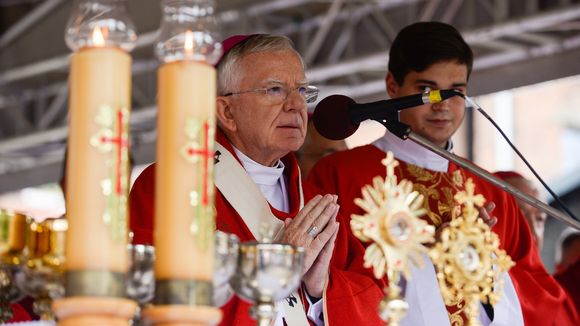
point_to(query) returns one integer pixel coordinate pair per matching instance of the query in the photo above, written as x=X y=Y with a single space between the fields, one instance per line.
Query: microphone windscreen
x=332 y=117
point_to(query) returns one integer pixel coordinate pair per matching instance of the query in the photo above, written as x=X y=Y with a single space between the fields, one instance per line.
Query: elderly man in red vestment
x=536 y=217
x=262 y=117
x=426 y=56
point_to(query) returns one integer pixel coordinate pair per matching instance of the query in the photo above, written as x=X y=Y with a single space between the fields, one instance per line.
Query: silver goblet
x=141 y=277
x=266 y=273
x=227 y=247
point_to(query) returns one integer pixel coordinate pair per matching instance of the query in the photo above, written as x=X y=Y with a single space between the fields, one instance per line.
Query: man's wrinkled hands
x=315 y=277
x=312 y=228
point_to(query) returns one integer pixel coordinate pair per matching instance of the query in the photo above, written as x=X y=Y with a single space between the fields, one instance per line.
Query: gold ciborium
x=42 y=275
x=13 y=228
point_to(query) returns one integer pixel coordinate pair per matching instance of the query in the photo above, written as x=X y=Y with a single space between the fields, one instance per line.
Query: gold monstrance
x=467 y=258
x=392 y=223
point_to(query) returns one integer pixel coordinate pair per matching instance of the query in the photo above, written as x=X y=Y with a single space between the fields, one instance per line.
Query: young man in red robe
x=426 y=56
x=262 y=114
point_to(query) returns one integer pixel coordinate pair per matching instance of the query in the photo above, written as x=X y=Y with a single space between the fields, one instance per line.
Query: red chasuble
x=352 y=294
x=542 y=300
x=569 y=279
x=19 y=314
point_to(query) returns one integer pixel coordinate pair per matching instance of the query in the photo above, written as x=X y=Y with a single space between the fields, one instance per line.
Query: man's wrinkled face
x=436 y=122
x=268 y=127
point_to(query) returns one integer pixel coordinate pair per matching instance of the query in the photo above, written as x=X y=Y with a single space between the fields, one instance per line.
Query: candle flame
x=188 y=42
x=98 y=37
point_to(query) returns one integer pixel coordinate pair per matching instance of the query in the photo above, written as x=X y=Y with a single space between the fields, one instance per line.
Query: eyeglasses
x=279 y=94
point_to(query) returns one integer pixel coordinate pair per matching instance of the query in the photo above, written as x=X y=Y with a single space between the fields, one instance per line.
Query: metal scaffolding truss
x=344 y=43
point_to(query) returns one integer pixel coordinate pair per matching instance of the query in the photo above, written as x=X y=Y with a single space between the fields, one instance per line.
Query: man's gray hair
x=227 y=70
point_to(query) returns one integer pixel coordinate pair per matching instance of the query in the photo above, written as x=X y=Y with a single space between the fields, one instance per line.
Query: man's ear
x=224 y=114
x=392 y=85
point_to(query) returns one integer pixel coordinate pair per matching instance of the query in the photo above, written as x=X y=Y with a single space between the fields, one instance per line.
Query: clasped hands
x=315 y=229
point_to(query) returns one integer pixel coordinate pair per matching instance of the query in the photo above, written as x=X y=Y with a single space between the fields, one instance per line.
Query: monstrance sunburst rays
x=468 y=260
x=391 y=221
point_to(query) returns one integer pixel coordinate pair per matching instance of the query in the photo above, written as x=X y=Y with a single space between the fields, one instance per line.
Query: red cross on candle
x=119 y=141
x=193 y=151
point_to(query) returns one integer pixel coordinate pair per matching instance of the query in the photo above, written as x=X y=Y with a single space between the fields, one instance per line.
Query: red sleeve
x=569 y=279
x=19 y=314
x=142 y=206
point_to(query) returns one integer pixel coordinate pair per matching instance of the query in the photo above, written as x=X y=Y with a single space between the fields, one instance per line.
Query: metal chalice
x=141 y=275
x=140 y=284
x=267 y=273
x=227 y=248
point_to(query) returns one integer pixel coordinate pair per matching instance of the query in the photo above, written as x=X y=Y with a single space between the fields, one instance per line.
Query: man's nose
x=441 y=106
x=295 y=101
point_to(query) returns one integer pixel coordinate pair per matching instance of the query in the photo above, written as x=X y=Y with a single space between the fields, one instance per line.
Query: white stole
x=246 y=198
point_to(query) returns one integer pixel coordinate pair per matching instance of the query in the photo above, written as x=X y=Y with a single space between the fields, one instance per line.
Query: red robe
x=569 y=279
x=19 y=314
x=352 y=294
x=542 y=300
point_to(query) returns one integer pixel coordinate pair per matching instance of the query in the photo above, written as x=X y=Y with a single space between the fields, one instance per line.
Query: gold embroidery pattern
x=456 y=317
x=432 y=190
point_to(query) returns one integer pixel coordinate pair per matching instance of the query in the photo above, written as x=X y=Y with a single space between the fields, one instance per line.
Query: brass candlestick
x=42 y=276
x=13 y=228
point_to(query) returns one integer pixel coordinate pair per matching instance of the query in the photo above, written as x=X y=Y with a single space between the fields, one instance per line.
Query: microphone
x=337 y=116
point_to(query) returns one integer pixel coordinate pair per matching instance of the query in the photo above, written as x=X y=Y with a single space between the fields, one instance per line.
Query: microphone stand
x=404 y=132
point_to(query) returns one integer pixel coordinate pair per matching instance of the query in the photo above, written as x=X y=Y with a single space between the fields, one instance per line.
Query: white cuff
x=222 y=294
x=315 y=313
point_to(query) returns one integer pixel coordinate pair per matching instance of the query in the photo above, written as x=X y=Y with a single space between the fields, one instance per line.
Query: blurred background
x=526 y=76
